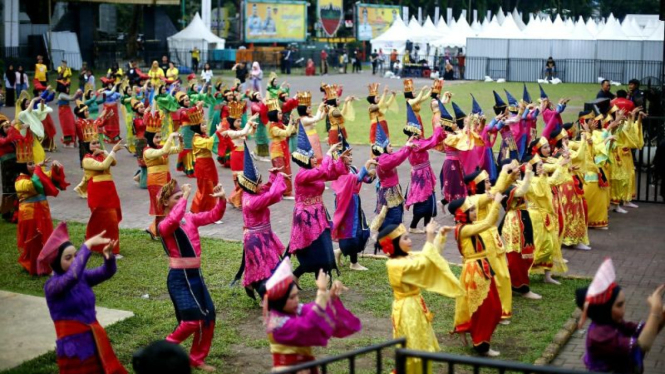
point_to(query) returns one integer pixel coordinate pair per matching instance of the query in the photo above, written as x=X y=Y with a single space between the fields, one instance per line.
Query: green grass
x=240 y=344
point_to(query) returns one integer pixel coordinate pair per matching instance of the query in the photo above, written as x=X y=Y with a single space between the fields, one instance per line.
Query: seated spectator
x=397 y=67
x=622 y=102
x=310 y=69
x=550 y=69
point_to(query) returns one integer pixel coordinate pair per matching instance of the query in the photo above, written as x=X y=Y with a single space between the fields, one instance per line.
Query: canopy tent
x=508 y=30
x=592 y=26
x=476 y=27
x=500 y=16
x=658 y=35
x=580 y=31
x=393 y=38
x=442 y=26
x=196 y=34
x=429 y=31
x=64 y=46
x=517 y=17
x=632 y=31
x=612 y=30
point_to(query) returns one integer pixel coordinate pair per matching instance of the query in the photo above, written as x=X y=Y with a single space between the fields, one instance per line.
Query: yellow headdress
x=331 y=91
x=24 y=152
x=437 y=86
x=373 y=89
x=273 y=104
x=408 y=85
x=304 y=98
x=236 y=109
x=153 y=122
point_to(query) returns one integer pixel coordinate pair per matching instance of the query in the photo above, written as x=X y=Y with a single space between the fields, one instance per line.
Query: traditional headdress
x=49 y=253
x=335 y=117
x=541 y=142
x=473 y=180
x=249 y=179
x=219 y=85
x=543 y=95
x=437 y=85
x=345 y=145
x=24 y=151
x=272 y=76
x=273 y=104
x=373 y=89
x=601 y=288
x=571 y=130
x=153 y=121
x=88 y=89
x=135 y=103
x=446 y=118
x=304 y=98
x=236 y=109
x=179 y=96
x=381 y=141
x=304 y=151
x=525 y=95
x=278 y=284
x=412 y=125
x=408 y=85
x=556 y=135
x=168 y=190
x=512 y=102
x=458 y=208
x=88 y=128
x=3 y=119
x=330 y=90
x=499 y=104
x=459 y=115
x=387 y=236
x=475 y=107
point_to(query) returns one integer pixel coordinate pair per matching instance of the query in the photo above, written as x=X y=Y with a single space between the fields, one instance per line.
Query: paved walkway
x=634 y=240
x=27 y=329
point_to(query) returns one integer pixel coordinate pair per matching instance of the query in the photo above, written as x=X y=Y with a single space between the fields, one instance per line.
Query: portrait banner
x=373 y=20
x=272 y=21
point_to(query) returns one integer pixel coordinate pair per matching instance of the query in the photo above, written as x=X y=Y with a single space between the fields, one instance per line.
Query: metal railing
x=324 y=363
x=455 y=362
x=650 y=162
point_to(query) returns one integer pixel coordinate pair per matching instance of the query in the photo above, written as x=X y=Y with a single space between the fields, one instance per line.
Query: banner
x=373 y=20
x=331 y=15
x=272 y=21
x=223 y=25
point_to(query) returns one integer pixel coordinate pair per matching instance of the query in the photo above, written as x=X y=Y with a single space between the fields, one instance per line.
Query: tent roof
x=580 y=31
x=396 y=33
x=592 y=26
x=508 y=30
x=517 y=17
x=631 y=30
x=442 y=26
x=612 y=30
x=197 y=30
x=658 y=33
x=500 y=16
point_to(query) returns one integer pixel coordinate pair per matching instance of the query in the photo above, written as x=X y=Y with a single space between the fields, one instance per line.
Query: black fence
x=568 y=70
x=351 y=358
x=650 y=162
x=450 y=364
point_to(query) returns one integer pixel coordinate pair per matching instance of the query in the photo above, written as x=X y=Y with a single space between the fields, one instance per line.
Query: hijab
x=11 y=75
x=256 y=70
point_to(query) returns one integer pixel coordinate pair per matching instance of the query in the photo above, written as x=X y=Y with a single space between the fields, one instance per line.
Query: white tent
x=393 y=38
x=631 y=30
x=442 y=26
x=500 y=16
x=476 y=27
x=658 y=32
x=517 y=17
x=612 y=30
x=508 y=30
x=580 y=31
x=457 y=35
x=569 y=23
x=592 y=26
x=650 y=27
x=560 y=29
x=196 y=34
x=430 y=31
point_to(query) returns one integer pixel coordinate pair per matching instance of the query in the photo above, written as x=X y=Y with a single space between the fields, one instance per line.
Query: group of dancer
x=552 y=186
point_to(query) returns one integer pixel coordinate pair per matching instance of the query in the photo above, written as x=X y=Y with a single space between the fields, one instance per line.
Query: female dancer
x=103 y=201
x=416 y=101
x=82 y=345
x=309 y=121
x=9 y=136
x=310 y=233
x=156 y=74
x=294 y=328
x=279 y=146
x=350 y=227
x=377 y=108
x=479 y=311
x=33 y=186
x=408 y=273
x=421 y=193
x=48 y=139
x=597 y=188
x=127 y=110
x=179 y=232
x=261 y=246
x=66 y=118
x=205 y=169
x=112 y=126
x=183 y=119
x=37 y=115
x=87 y=130
x=138 y=131
x=261 y=136
x=238 y=137
x=156 y=158
x=482 y=156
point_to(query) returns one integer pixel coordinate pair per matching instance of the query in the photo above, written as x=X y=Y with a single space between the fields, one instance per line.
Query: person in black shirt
x=634 y=93
x=286 y=61
x=604 y=92
x=132 y=74
x=241 y=72
x=165 y=64
x=375 y=61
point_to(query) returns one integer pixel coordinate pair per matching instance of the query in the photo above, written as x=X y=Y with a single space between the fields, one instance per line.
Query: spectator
x=21 y=80
x=375 y=61
x=82 y=77
x=393 y=58
x=449 y=72
x=255 y=77
x=90 y=78
x=604 y=92
x=286 y=62
x=397 y=68
x=156 y=74
x=310 y=69
x=64 y=76
x=622 y=102
x=241 y=73
x=382 y=60
x=161 y=357
x=407 y=58
x=133 y=74
x=10 y=85
x=196 y=57
x=114 y=74
x=344 y=62
x=358 y=64
x=206 y=74
x=173 y=74
x=634 y=93
x=461 y=63
x=165 y=64
x=324 y=62
x=40 y=73
x=550 y=69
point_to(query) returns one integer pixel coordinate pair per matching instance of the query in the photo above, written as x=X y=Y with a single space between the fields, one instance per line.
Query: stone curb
x=560 y=339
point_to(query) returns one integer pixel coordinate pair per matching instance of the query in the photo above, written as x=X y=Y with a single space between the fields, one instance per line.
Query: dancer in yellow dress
x=408 y=273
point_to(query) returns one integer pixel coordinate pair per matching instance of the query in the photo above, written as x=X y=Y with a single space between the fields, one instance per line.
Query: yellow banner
x=267 y=22
x=222 y=27
x=373 y=20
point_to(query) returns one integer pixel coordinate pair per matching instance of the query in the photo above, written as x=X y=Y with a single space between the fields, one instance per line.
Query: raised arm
x=270 y=197
x=312 y=328
x=489 y=222
x=172 y=221
x=214 y=215
x=201 y=142
x=90 y=163
x=61 y=284
x=101 y=273
x=393 y=160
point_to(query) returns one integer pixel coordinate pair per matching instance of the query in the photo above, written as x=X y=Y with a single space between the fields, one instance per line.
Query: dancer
x=479 y=311
x=138 y=128
x=156 y=159
x=103 y=200
x=508 y=126
x=183 y=119
x=517 y=232
x=377 y=109
x=613 y=344
x=482 y=156
x=35 y=114
x=415 y=102
x=288 y=105
x=33 y=185
x=628 y=135
x=205 y=169
x=528 y=123
x=112 y=126
x=310 y=232
x=261 y=136
x=350 y=227
x=408 y=273
x=309 y=121
x=261 y=246
x=87 y=130
x=279 y=146
x=66 y=117
x=238 y=137
x=294 y=328
x=551 y=117
x=82 y=345
x=420 y=193
x=179 y=232
x=389 y=199
x=597 y=188
x=9 y=136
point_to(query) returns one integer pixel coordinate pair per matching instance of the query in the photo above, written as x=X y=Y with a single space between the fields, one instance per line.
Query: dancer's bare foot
x=416 y=231
x=549 y=279
x=463 y=338
x=531 y=295
x=504 y=322
x=205 y=367
x=491 y=353
x=338 y=257
x=358 y=267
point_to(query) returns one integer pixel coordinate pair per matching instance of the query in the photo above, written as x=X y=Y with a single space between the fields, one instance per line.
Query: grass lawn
x=240 y=344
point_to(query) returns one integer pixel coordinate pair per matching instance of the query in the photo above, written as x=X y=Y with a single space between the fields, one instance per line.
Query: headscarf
x=11 y=75
x=256 y=70
x=598 y=313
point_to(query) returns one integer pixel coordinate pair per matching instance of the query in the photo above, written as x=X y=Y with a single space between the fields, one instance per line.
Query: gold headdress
x=134 y=103
x=437 y=86
x=24 y=153
x=88 y=89
x=336 y=118
x=272 y=76
x=3 y=119
x=273 y=104
x=236 y=109
x=373 y=89
x=408 y=85
x=153 y=122
x=304 y=98
x=331 y=91
x=180 y=96
x=535 y=159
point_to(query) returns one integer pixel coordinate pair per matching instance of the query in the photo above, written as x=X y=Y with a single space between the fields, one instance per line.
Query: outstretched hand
x=108 y=249
x=98 y=239
x=322 y=281
x=337 y=289
x=218 y=192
